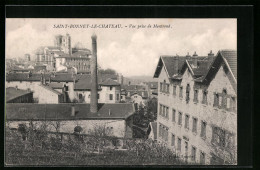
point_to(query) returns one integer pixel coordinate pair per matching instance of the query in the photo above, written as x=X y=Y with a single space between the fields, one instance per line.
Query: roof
x=84 y=81
x=169 y=63
x=56 y=85
x=143 y=93
x=231 y=58
x=154 y=129
x=109 y=82
x=13 y=93
x=81 y=53
x=50 y=89
x=78 y=54
x=133 y=87
x=152 y=85
x=26 y=111
x=37 y=77
x=226 y=56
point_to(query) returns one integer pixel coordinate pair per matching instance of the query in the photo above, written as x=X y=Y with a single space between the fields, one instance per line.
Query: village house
x=197 y=106
x=33 y=81
x=108 y=90
x=137 y=94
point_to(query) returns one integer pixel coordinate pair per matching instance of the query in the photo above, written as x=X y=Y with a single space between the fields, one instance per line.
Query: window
x=167 y=112
x=193 y=153
x=173 y=140
x=224 y=99
x=167 y=88
x=186 y=151
x=174 y=90
x=111 y=88
x=233 y=104
x=117 y=96
x=216 y=100
x=98 y=96
x=222 y=138
x=173 y=115
x=163 y=132
x=187 y=93
x=80 y=96
x=180 y=93
x=161 y=87
x=110 y=96
x=186 y=125
x=204 y=99
x=202 y=158
x=194 y=126
x=180 y=119
x=203 y=129
x=160 y=112
x=195 y=96
x=179 y=144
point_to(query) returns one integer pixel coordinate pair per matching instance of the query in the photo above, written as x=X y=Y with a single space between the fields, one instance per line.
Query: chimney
x=176 y=64
x=210 y=58
x=16 y=87
x=195 y=60
x=93 y=99
x=109 y=113
x=73 y=110
x=188 y=56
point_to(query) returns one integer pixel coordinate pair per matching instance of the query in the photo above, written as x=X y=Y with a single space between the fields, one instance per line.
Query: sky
x=129 y=51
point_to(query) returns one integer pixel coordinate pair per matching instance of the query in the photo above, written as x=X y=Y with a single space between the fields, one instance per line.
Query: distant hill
x=139 y=79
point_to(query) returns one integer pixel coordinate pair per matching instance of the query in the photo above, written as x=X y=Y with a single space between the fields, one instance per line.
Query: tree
x=107 y=71
x=152 y=109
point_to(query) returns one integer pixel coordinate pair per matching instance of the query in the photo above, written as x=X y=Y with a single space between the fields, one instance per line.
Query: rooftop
x=50 y=89
x=13 y=93
x=109 y=82
x=37 y=77
x=26 y=111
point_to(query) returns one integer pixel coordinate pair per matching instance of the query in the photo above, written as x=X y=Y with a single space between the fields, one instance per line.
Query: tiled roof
x=231 y=57
x=169 y=64
x=212 y=71
x=37 y=77
x=109 y=82
x=63 y=111
x=84 y=81
x=12 y=93
x=56 y=85
x=50 y=89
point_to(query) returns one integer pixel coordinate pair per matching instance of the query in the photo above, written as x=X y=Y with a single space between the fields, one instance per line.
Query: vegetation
x=98 y=148
x=107 y=71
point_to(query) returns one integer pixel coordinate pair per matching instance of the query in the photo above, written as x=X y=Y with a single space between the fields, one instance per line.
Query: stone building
x=62 y=56
x=197 y=101
x=109 y=91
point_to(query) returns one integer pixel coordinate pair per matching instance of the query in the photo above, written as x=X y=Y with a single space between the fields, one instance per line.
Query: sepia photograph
x=120 y=91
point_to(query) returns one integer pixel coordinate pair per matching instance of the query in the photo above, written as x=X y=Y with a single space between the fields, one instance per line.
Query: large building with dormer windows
x=197 y=106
